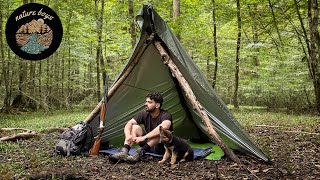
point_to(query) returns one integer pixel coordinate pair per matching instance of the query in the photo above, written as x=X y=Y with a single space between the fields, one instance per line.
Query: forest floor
x=295 y=154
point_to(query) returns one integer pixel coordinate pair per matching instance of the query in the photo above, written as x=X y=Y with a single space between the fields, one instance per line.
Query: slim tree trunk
x=69 y=63
x=275 y=21
x=255 y=37
x=236 y=84
x=313 y=19
x=42 y=104
x=31 y=86
x=90 y=85
x=215 y=45
x=69 y=93
x=5 y=68
x=132 y=26
x=20 y=101
x=1 y=49
x=100 y=55
x=98 y=91
x=176 y=15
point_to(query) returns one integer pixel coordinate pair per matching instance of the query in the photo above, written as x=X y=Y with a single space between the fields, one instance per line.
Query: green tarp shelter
x=146 y=72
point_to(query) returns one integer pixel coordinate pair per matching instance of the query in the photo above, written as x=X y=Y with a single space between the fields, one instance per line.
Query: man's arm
x=155 y=132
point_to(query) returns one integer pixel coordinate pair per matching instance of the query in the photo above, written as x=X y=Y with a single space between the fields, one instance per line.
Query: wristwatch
x=146 y=138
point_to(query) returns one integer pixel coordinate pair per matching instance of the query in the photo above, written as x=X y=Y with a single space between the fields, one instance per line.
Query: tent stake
x=123 y=77
x=195 y=103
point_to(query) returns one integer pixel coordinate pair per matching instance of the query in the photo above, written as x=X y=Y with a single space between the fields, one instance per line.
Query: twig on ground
x=60 y=130
x=24 y=135
x=263 y=125
x=302 y=132
x=107 y=176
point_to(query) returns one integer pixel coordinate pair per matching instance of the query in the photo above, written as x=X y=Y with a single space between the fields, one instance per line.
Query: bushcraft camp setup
x=160 y=63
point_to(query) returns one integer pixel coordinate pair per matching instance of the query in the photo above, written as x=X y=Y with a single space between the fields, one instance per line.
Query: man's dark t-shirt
x=150 y=123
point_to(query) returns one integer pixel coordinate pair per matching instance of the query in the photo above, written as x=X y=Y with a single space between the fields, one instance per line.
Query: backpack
x=74 y=140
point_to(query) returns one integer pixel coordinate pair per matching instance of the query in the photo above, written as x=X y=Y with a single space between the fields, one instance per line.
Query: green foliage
x=41 y=121
x=273 y=71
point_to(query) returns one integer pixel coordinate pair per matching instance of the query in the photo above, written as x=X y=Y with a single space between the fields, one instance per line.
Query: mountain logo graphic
x=34 y=31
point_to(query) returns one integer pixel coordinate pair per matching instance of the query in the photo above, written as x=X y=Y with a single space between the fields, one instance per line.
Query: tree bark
x=236 y=83
x=5 y=68
x=103 y=68
x=132 y=26
x=99 y=49
x=313 y=46
x=275 y=21
x=195 y=103
x=215 y=44
x=176 y=15
x=313 y=19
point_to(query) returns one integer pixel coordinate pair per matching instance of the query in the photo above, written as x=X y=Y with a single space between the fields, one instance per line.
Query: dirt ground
x=294 y=156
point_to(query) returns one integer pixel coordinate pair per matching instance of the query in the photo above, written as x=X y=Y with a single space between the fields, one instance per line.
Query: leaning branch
x=195 y=103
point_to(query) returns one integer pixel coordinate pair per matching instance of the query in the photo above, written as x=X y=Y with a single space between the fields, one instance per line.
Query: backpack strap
x=68 y=148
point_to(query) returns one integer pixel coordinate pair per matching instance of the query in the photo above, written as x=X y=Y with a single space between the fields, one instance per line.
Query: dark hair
x=156 y=96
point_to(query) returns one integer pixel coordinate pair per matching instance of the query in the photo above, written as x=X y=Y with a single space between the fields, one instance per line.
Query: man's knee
x=137 y=130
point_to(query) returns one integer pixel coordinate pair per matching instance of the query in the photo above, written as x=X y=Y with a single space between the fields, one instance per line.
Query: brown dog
x=179 y=148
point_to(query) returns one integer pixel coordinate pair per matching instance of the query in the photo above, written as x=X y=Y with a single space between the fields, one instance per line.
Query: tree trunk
x=176 y=15
x=275 y=21
x=103 y=68
x=1 y=49
x=255 y=38
x=236 y=83
x=32 y=84
x=313 y=19
x=20 y=101
x=215 y=45
x=98 y=91
x=132 y=26
x=90 y=85
x=312 y=46
x=5 y=68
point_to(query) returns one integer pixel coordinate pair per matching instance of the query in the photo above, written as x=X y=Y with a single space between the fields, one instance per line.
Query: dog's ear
x=160 y=128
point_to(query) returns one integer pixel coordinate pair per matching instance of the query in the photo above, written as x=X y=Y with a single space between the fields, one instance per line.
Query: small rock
x=283 y=171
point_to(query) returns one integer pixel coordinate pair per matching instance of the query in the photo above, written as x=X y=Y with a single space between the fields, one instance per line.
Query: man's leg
x=123 y=151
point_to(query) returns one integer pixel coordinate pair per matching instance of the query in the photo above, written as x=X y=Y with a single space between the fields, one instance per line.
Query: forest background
x=254 y=53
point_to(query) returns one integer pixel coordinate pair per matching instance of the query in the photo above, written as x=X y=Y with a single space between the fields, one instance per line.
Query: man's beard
x=151 y=110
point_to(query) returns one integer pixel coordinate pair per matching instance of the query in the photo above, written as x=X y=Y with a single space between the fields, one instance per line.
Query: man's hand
x=130 y=139
x=139 y=139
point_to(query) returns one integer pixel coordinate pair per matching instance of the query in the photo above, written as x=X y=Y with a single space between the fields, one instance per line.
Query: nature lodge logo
x=34 y=31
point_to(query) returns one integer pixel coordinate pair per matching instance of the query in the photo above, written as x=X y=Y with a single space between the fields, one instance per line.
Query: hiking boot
x=121 y=155
x=135 y=157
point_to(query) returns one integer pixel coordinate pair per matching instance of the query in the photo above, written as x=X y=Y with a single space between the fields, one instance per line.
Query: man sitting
x=149 y=139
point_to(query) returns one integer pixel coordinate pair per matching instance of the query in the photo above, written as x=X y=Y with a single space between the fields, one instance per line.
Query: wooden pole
x=123 y=77
x=195 y=103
